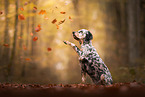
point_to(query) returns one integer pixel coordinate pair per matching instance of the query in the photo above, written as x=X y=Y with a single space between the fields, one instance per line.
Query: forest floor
x=132 y=89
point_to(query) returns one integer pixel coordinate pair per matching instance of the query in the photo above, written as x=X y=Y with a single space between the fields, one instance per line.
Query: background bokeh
x=118 y=28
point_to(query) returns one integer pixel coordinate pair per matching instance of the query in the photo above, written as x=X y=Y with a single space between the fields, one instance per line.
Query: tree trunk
x=26 y=53
x=6 y=51
x=12 y=60
x=34 y=43
x=133 y=31
x=21 y=53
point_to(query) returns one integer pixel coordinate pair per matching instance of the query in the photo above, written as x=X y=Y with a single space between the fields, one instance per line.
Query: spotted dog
x=90 y=61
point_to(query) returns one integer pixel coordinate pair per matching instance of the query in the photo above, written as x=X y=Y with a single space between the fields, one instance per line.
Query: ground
x=133 y=89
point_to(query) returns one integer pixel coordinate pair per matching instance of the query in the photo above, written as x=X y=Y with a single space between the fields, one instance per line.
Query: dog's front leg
x=74 y=47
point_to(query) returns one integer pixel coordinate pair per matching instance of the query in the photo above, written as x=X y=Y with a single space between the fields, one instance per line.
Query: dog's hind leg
x=83 y=74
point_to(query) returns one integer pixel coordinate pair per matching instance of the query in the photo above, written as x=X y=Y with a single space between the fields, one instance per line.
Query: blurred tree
x=6 y=51
x=13 y=54
x=34 y=43
x=133 y=30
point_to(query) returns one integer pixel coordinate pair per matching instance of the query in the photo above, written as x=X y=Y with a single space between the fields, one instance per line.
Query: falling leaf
x=27 y=59
x=61 y=22
x=49 y=49
x=19 y=37
x=70 y=18
x=35 y=38
x=35 y=8
x=22 y=9
x=21 y=17
x=42 y=12
x=1 y=12
x=31 y=34
x=54 y=21
x=62 y=12
x=57 y=26
x=6 y=45
x=38 y=28
x=24 y=47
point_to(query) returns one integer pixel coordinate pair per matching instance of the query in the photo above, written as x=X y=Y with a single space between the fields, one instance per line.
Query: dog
x=90 y=61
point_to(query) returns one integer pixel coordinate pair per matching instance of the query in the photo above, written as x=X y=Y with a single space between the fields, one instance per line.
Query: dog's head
x=83 y=35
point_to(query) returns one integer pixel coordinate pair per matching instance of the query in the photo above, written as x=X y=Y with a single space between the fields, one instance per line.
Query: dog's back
x=93 y=65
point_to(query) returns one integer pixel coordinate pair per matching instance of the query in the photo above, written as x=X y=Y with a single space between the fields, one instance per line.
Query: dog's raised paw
x=65 y=42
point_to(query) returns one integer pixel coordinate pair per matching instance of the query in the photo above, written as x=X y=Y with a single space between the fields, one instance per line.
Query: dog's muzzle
x=75 y=36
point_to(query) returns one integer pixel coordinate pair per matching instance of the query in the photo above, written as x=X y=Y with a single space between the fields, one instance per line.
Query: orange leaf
x=19 y=37
x=21 y=17
x=61 y=22
x=38 y=28
x=27 y=59
x=39 y=25
x=70 y=18
x=35 y=38
x=6 y=45
x=54 y=21
x=31 y=34
x=49 y=49
x=42 y=12
x=35 y=8
x=22 y=9
x=57 y=26
x=62 y=12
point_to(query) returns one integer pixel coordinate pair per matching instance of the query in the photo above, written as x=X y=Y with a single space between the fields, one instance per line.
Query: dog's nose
x=73 y=32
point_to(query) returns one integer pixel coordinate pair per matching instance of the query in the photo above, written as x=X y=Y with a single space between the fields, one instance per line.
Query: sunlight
x=59 y=66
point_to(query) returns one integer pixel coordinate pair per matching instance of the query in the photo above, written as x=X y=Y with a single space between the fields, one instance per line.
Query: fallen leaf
x=61 y=22
x=6 y=45
x=21 y=17
x=54 y=21
x=35 y=8
x=62 y=12
x=22 y=9
x=49 y=49
x=27 y=59
x=35 y=38
x=38 y=28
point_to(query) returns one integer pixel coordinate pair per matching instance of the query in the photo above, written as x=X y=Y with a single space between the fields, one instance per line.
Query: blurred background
x=32 y=34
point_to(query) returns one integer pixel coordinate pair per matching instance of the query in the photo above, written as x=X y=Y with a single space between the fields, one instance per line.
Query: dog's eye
x=80 y=31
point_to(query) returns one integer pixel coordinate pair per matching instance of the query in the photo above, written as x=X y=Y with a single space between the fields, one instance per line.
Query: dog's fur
x=90 y=61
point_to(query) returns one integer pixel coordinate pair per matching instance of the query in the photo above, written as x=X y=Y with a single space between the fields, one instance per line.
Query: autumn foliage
x=35 y=38
x=38 y=28
x=21 y=17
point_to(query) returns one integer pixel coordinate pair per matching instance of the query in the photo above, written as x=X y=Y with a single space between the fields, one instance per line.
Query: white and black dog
x=90 y=61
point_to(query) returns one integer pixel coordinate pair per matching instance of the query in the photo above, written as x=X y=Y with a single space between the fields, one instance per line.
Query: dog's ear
x=89 y=36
